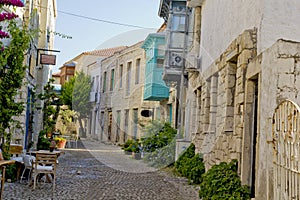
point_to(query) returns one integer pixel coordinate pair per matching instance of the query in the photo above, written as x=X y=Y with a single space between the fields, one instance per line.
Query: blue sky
x=88 y=35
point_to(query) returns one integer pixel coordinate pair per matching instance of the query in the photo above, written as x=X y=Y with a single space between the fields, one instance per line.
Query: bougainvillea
x=4 y=34
x=17 y=3
x=8 y=16
x=12 y=71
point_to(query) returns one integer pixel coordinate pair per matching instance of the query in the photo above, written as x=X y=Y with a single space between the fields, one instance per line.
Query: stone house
x=94 y=70
x=89 y=63
x=67 y=71
x=241 y=64
x=122 y=96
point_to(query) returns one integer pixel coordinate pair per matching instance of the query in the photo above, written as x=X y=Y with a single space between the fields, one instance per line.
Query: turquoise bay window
x=155 y=88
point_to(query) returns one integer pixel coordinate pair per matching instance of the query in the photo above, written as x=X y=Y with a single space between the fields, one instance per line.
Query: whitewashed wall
x=280 y=21
x=223 y=21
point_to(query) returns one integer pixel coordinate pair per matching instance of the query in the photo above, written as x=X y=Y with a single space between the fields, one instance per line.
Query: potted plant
x=136 y=150
x=52 y=145
x=60 y=142
x=127 y=147
x=51 y=110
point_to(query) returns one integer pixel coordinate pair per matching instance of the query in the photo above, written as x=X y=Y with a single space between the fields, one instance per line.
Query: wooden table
x=3 y=164
x=47 y=152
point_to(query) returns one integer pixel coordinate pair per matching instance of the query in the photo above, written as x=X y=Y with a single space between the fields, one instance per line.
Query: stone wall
x=220 y=93
x=236 y=99
x=278 y=72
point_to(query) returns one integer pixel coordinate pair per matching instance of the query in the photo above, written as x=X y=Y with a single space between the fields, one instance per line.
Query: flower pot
x=136 y=156
x=61 y=144
x=52 y=149
x=127 y=152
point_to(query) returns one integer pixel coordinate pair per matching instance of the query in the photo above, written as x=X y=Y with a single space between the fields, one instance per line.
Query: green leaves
x=190 y=165
x=50 y=111
x=67 y=92
x=223 y=182
x=12 y=73
x=158 y=138
x=159 y=145
x=81 y=94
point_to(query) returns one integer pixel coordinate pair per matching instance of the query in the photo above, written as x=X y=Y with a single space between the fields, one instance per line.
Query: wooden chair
x=3 y=164
x=45 y=163
x=16 y=152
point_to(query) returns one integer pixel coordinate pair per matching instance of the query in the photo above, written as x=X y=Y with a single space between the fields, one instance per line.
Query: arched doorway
x=286 y=144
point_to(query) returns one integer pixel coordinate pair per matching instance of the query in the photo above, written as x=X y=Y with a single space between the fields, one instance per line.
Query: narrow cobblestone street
x=99 y=171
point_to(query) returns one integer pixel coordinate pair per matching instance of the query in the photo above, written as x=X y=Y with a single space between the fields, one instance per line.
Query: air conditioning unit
x=176 y=59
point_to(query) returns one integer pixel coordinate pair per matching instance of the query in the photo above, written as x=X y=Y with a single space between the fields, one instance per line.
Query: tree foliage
x=81 y=96
x=51 y=111
x=67 y=92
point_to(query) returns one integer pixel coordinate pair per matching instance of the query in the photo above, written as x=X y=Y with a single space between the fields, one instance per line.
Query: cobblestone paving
x=97 y=171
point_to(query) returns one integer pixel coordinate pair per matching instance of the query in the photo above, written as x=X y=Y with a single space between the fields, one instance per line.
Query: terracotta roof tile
x=105 y=52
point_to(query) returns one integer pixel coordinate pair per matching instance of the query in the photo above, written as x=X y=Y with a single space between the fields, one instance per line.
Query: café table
x=3 y=164
x=57 y=152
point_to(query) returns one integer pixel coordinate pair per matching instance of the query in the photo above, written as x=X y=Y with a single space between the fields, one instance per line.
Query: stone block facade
x=220 y=91
x=236 y=99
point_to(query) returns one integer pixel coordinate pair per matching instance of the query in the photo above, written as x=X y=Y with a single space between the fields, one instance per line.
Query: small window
x=178 y=23
x=128 y=81
x=121 y=76
x=104 y=82
x=160 y=62
x=137 y=71
x=112 y=79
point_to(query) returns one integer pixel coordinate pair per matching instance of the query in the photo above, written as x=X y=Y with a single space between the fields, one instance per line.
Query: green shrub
x=162 y=157
x=184 y=158
x=156 y=140
x=190 y=165
x=222 y=182
x=43 y=143
x=136 y=147
x=11 y=172
x=159 y=145
x=132 y=146
x=127 y=144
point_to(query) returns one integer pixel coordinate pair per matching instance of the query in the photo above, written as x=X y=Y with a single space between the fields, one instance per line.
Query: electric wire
x=99 y=20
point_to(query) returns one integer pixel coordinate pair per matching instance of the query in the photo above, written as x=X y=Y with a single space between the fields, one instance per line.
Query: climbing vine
x=12 y=69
